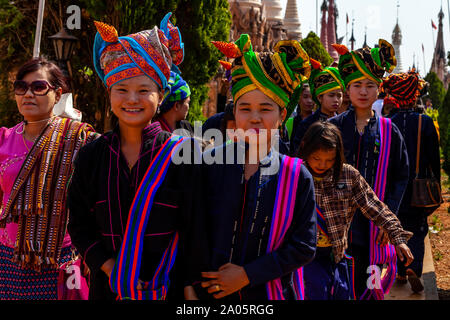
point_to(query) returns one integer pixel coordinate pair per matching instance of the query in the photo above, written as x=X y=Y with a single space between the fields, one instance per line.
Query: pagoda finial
x=352 y=38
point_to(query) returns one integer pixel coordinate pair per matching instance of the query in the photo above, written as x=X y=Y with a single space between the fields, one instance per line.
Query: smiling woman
x=35 y=165
x=131 y=206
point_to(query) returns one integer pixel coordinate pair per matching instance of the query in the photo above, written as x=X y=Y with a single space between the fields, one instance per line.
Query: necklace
x=24 y=123
x=25 y=143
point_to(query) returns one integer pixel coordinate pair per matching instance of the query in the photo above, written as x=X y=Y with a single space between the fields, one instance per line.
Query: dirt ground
x=439 y=232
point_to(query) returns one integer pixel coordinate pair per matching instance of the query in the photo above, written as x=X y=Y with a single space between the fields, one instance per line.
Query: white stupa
x=292 y=21
x=273 y=9
x=396 y=43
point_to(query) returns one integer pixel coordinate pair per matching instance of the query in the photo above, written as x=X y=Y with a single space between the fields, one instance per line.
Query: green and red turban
x=366 y=63
x=278 y=74
x=323 y=80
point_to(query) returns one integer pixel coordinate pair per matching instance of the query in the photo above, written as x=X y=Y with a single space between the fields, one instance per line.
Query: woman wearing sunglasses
x=35 y=167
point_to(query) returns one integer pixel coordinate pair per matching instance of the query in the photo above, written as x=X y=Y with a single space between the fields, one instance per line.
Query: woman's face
x=306 y=102
x=320 y=161
x=33 y=107
x=254 y=112
x=363 y=93
x=330 y=101
x=134 y=101
x=183 y=108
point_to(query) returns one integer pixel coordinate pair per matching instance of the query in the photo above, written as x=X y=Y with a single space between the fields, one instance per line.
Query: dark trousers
x=361 y=258
x=326 y=280
x=416 y=222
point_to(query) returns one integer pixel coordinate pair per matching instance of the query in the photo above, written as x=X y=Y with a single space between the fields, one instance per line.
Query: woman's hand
x=403 y=252
x=230 y=278
x=189 y=293
x=108 y=266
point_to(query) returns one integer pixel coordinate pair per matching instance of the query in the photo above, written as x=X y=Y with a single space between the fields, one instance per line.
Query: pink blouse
x=13 y=151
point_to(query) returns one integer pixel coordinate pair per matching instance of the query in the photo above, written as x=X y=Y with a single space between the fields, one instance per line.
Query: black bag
x=426 y=193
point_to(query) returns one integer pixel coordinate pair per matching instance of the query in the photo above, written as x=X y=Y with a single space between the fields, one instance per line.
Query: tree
x=315 y=49
x=436 y=93
x=200 y=22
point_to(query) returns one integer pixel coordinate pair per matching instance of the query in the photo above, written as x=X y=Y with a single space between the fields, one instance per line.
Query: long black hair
x=323 y=135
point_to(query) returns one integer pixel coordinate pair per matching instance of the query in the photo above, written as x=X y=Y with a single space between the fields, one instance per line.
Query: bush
x=315 y=49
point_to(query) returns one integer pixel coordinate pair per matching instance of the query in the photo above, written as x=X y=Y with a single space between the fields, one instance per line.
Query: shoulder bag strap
x=418 y=145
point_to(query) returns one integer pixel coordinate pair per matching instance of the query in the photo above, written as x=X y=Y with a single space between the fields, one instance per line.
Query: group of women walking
x=147 y=227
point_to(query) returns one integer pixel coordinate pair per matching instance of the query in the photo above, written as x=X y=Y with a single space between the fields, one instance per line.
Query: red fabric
x=391 y=100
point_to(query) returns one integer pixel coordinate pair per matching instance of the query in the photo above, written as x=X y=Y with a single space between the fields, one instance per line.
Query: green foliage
x=436 y=225
x=436 y=93
x=315 y=49
x=436 y=90
x=200 y=22
x=432 y=113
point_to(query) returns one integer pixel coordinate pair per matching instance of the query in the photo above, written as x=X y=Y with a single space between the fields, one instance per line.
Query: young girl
x=371 y=143
x=134 y=213
x=260 y=214
x=340 y=190
x=305 y=108
x=327 y=88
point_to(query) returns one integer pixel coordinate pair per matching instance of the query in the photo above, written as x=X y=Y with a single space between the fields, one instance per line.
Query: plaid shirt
x=340 y=201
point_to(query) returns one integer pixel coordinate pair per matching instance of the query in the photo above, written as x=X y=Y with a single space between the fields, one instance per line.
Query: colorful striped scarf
x=38 y=198
x=283 y=213
x=125 y=273
x=382 y=254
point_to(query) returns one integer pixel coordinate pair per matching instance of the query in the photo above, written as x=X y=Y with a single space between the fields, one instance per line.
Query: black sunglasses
x=38 y=87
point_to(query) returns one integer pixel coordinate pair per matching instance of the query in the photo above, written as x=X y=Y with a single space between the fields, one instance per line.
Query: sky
x=380 y=16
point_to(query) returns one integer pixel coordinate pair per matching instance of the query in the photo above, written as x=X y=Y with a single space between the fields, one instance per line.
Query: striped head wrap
x=324 y=80
x=404 y=88
x=390 y=100
x=179 y=90
x=277 y=74
x=366 y=63
x=151 y=52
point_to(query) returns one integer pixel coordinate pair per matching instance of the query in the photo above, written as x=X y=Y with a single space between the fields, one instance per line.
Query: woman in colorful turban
x=375 y=147
x=175 y=106
x=131 y=207
x=404 y=89
x=327 y=89
x=260 y=204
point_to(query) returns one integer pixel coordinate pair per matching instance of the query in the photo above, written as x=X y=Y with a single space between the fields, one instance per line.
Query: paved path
x=404 y=292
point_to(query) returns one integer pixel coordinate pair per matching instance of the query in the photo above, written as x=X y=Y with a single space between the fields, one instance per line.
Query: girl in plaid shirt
x=339 y=191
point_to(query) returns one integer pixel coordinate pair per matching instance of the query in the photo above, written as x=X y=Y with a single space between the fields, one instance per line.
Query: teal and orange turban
x=277 y=74
x=366 y=63
x=179 y=90
x=323 y=80
x=153 y=53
